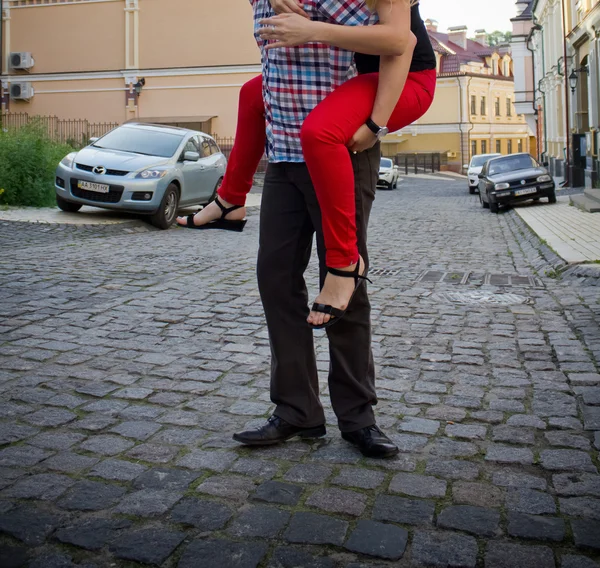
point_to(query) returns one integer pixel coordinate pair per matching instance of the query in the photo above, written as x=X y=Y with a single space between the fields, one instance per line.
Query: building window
x=508 y=107
x=509 y=146
x=495 y=69
x=473 y=147
x=506 y=71
x=498 y=146
x=483 y=107
x=519 y=146
x=473 y=104
x=497 y=106
x=484 y=146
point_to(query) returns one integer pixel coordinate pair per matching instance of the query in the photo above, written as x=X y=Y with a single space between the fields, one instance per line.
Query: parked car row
x=503 y=180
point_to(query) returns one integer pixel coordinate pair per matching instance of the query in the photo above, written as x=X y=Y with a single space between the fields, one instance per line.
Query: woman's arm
x=393 y=72
x=390 y=37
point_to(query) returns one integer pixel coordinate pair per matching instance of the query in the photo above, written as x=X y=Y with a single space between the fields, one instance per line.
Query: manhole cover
x=480 y=297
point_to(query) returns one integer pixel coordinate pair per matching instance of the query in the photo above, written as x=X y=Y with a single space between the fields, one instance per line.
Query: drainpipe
x=537 y=27
x=567 y=101
x=462 y=134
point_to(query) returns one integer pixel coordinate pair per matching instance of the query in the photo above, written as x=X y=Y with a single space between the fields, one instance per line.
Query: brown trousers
x=289 y=218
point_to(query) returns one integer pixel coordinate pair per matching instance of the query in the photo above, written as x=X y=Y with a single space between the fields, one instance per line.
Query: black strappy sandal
x=336 y=313
x=221 y=223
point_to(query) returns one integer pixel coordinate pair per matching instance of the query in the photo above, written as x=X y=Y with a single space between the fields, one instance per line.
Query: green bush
x=28 y=160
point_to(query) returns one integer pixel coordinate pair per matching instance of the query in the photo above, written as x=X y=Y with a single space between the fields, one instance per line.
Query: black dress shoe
x=372 y=442
x=277 y=430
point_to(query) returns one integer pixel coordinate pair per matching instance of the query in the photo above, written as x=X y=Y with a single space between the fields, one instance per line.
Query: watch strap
x=373 y=127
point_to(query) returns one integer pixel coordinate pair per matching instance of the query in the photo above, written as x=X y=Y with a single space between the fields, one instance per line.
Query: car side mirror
x=191 y=157
x=466 y=166
x=94 y=139
x=480 y=176
x=546 y=164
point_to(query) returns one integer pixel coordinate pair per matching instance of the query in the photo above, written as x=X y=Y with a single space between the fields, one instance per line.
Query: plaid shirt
x=297 y=79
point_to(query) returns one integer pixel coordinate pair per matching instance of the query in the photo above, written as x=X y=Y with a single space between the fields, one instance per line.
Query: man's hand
x=363 y=139
x=287 y=30
x=288 y=7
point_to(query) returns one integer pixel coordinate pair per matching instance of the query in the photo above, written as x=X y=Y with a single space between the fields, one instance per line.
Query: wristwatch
x=379 y=131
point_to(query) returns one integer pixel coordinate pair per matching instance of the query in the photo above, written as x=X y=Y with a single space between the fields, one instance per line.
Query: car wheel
x=67 y=206
x=484 y=204
x=167 y=211
x=471 y=190
x=494 y=208
x=395 y=186
x=552 y=197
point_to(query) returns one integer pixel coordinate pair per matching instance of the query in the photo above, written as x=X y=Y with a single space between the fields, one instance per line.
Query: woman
x=353 y=116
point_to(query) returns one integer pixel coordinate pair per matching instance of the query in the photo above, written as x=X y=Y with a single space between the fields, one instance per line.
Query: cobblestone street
x=129 y=356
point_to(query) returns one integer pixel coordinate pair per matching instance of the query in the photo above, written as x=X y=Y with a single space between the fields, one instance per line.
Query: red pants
x=325 y=135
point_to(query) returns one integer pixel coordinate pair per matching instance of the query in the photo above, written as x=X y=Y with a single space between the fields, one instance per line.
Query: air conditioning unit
x=452 y=155
x=21 y=91
x=21 y=60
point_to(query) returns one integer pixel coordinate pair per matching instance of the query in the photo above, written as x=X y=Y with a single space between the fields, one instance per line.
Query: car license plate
x=90 y=186
x=526 y=191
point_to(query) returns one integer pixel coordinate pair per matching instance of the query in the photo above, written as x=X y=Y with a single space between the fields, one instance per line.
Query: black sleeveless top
x=423 y=57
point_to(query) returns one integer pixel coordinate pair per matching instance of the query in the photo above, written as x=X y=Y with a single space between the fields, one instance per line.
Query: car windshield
x=141 y=141
x=479 y=161
x=385 y=163
x=511 y=163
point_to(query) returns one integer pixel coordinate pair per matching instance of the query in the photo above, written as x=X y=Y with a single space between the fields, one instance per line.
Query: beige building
x=473 y=111
x=81 y=59
x=564 y=71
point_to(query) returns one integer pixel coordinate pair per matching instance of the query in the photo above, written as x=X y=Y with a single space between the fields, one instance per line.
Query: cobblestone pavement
x=128 y=356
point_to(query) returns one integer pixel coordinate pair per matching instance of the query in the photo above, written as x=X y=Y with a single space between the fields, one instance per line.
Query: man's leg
x=286 y=233
x=352 y=370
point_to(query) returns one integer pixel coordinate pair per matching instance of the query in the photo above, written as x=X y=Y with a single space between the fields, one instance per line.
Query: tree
x=498 y=38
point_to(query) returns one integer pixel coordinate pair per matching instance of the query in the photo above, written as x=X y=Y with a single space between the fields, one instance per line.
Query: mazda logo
x=100 y=170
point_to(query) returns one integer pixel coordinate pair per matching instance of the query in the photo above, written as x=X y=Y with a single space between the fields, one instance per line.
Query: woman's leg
x=247 y=151
x=325 y=135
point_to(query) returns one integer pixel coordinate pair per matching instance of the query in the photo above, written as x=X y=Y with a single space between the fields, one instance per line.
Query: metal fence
x=75 y=132
x=420 y=163
x=226 y=145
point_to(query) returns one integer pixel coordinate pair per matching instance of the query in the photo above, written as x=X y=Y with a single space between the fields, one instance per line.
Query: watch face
x=383 y=132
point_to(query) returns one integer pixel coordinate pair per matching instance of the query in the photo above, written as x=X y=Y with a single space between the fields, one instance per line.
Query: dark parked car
x=514 y=178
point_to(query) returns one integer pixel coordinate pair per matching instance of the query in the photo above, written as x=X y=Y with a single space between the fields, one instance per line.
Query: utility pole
x=567 y=101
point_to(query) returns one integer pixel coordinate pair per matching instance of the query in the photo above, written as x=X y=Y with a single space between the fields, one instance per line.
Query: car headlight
x=68 y=160
x=152 y=173
x=544 y=178
x=502 y=186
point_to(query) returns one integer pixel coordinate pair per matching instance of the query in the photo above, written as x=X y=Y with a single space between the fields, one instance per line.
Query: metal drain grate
x=480 y=297
x=442 y=276
x=383 y=272
x=456 y=277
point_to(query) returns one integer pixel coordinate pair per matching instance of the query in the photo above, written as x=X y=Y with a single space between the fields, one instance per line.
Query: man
x=295 y=80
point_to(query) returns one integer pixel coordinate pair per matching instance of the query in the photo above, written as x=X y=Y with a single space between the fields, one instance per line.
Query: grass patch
x=28 y=160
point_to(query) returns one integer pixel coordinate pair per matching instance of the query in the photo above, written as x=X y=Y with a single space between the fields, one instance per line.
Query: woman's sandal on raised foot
x=221 y=223
x=335 y=313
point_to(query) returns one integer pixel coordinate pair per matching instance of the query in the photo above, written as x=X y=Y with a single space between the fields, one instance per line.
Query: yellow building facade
x=473 y=110
x=88 y=55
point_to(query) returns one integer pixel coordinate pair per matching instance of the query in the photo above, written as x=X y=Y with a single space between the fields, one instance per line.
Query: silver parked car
x=142 y=168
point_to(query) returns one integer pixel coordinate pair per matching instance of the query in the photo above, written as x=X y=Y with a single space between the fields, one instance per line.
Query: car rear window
x=141 y=141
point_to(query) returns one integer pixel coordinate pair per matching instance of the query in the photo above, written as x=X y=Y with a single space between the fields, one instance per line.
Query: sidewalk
x=573 y=234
